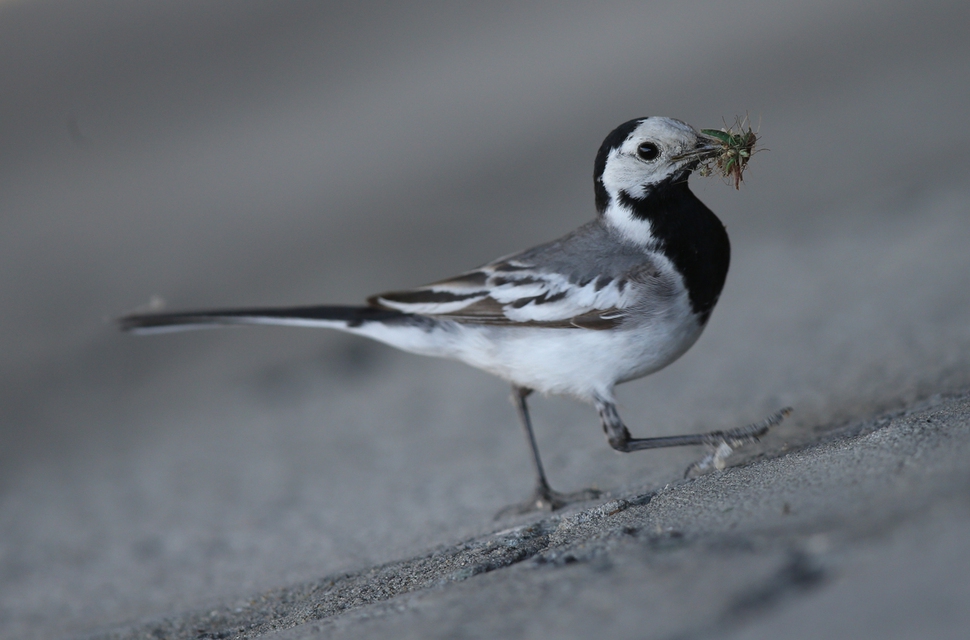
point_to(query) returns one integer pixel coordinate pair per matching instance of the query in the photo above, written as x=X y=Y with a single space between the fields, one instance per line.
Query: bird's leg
x=543 y=498
x=724 y=441
x=519 y=394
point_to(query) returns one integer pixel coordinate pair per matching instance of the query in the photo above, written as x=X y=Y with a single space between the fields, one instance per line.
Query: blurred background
x=274 y=153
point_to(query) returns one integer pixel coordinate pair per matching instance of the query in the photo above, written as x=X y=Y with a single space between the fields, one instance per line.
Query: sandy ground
x=266 y=154
x=810 y=544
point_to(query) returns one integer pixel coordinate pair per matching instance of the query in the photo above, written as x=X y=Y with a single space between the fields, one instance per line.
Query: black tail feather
x=179 y=320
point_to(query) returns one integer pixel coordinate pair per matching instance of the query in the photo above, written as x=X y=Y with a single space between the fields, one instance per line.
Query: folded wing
x=511 y=292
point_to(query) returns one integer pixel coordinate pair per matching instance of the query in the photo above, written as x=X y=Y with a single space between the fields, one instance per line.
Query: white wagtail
x=617 y=299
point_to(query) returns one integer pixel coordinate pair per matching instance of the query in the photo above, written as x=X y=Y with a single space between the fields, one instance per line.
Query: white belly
x=579 y=362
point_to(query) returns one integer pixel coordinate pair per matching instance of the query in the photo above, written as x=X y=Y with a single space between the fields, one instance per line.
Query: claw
x=545 y=499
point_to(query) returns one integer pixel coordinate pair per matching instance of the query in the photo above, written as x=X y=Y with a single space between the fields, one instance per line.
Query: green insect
x=738 y=149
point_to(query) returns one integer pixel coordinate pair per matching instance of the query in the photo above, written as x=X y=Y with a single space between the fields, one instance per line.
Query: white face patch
x=627 y=172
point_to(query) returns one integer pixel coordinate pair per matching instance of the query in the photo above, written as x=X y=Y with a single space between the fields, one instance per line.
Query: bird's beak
x=707 y=147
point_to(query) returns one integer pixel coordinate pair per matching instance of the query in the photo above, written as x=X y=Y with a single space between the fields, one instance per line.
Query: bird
x=619 y=298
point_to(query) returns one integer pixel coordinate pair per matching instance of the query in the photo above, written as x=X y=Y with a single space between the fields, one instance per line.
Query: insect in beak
x=729 y=152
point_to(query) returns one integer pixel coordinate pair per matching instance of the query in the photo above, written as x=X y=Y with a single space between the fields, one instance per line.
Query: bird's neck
x=638 y=218
x=670 y=219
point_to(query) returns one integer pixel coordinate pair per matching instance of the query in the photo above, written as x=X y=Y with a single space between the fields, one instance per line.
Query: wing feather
x=509 y=292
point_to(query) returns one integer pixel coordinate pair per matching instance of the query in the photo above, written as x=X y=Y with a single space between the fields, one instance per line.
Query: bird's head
x=645 y=155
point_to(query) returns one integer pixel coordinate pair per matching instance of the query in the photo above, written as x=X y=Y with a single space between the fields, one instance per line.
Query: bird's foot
x=716 y=459
x=725 y=442
x=545 y=499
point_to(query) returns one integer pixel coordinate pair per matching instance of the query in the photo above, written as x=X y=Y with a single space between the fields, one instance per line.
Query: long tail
x=334 y=317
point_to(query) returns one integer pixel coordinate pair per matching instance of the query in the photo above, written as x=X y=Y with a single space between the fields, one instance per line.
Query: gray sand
x=808 y=544
x=266 y=154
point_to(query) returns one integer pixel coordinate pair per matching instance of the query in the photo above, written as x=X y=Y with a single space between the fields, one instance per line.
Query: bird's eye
x=648 y=151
